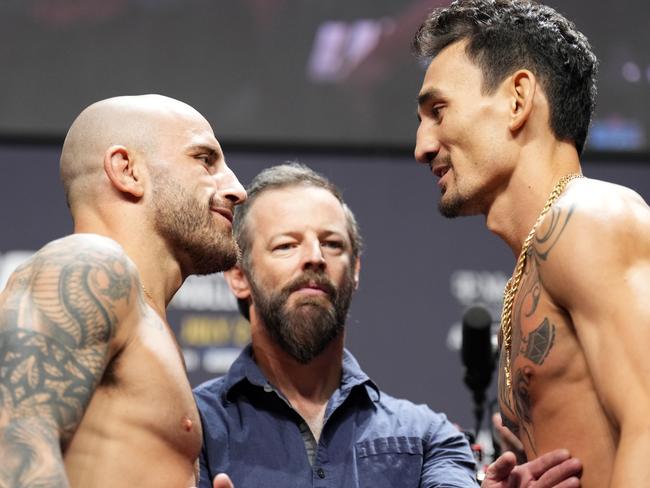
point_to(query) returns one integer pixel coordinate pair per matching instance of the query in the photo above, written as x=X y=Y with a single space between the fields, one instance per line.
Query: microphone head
x=476 y=351
x=477 y=317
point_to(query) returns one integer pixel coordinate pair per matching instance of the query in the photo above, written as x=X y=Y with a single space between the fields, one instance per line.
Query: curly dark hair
x=506 y=35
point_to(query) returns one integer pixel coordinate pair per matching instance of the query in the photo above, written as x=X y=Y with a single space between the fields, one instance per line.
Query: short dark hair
x=285 y=175
x=506 y=35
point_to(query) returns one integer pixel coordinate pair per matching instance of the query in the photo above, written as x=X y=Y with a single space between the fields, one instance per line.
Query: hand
x=555 y=469
x=222 y=481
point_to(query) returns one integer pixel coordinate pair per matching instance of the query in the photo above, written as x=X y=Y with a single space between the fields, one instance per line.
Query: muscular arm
x=58 y=319
x=599 y=273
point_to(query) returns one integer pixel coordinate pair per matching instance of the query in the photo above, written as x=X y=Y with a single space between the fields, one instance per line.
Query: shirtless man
x=93 y=390
x=295 y=406
x=504 y=111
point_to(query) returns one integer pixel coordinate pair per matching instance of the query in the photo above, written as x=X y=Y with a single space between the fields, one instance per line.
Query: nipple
x=187 y=424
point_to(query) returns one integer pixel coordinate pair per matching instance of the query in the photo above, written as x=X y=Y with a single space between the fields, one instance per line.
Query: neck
x=516 y=208
x=303 y=384
x=160 y=273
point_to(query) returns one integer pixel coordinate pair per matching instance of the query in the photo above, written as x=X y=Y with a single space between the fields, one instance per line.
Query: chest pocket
x=389 y=462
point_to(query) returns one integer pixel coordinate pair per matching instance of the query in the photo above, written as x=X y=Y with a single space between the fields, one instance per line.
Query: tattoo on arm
x=522 y=405
x=57 y=317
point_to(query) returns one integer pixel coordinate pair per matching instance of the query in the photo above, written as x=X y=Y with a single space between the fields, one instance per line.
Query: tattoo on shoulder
x=546 y=240
x=57 y=317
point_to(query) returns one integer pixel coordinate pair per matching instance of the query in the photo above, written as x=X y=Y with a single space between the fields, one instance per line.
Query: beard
x=305 y=329
x=452 y=207
x=189 y=226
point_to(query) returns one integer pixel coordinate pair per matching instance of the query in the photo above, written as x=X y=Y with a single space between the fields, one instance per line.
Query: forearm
x=31 y=456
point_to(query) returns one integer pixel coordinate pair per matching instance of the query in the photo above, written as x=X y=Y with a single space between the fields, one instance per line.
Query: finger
x=502 y=467
x=546 y=461
x=222 y=481
x=565 y=471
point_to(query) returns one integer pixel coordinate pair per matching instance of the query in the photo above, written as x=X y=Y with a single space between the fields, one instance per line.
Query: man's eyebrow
x=426 y=95
x=211 y=150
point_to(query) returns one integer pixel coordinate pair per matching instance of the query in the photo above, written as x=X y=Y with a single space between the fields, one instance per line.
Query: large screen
x=277 y=71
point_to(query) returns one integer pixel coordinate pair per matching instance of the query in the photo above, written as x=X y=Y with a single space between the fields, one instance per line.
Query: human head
x=304 y=236
x=283 y=176
x=152 y=163
x=506 y=35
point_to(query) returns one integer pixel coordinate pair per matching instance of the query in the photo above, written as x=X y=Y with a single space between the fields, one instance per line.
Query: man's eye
x=206 y=159
x=333 y=244
x=436 y=112
x=283 y=247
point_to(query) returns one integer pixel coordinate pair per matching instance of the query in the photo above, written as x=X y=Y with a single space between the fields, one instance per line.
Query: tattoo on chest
x=531 y=349
x=537 y=345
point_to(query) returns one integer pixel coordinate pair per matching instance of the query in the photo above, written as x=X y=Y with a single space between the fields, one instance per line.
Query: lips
x=313 y=287
x=440 y=171
x=224 y=212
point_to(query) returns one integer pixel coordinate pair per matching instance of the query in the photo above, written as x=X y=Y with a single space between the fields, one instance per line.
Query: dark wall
x=419 y=270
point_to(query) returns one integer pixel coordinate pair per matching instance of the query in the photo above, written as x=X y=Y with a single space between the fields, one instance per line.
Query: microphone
x=477 y=356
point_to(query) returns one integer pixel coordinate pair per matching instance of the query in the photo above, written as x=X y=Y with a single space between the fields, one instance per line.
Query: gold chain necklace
x=513 y=283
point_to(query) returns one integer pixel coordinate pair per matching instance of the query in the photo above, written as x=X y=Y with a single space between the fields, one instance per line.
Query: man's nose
x=313 y=256
x=427 y=144
x=229 y=187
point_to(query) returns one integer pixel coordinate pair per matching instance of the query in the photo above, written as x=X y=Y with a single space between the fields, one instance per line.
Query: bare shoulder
x=60 y=314
x=594 y=214
x=605 y=201
x=595 y=232
x=70 y=280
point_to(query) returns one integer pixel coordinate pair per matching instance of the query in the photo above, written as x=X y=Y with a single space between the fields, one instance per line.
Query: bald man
x=93 y=390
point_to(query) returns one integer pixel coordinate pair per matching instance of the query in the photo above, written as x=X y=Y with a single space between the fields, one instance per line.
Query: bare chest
x=545 y=363
x=146 y=406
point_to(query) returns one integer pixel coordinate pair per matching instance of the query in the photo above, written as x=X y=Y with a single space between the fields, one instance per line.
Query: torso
x=141 y=427
x=552 y=402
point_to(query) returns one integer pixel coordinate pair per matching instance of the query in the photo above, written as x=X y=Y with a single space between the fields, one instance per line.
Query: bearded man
x=295 y=409
x=93 y=390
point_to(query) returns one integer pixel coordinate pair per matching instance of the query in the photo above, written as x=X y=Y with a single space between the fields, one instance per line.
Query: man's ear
x=237 y=282
x=522 y=88
x=122 y=171
x=357 y=270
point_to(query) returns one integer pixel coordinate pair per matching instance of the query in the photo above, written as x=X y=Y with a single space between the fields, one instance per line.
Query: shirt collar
x=246 y=369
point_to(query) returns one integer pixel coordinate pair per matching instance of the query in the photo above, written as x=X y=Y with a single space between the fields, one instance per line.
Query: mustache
x=216 y=202
x=446 y=160
x=312 y=278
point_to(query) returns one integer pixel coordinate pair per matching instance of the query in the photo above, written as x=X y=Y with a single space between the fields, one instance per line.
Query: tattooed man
x=93 y=389
x=504 y=110
x=295 y=407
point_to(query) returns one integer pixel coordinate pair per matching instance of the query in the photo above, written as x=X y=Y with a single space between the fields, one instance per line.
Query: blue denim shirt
x=369 y=439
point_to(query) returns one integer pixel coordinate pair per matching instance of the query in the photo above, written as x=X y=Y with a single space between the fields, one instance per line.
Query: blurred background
x=333 y=85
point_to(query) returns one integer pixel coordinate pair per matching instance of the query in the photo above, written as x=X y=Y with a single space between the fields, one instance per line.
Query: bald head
x=135 y=122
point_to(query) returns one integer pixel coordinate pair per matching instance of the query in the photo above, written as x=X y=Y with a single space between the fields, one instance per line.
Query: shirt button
x=321 y=473
x=268 y=388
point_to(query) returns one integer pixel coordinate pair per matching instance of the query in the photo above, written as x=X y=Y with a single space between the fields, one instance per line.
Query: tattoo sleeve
x=58 y=315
